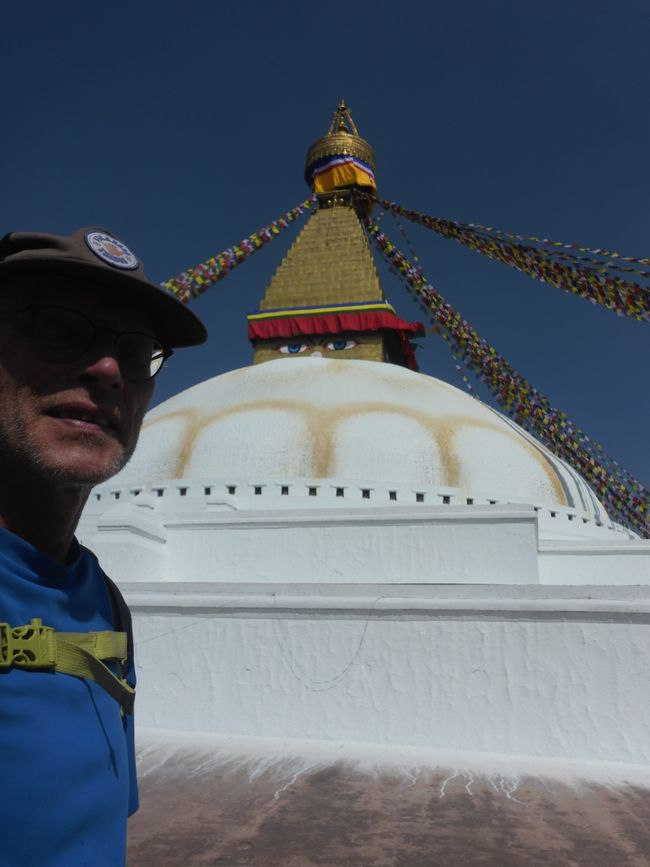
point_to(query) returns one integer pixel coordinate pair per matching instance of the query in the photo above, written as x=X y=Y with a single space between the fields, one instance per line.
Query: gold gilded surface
x=342 y=137
x=340 y=143
x=329 y=263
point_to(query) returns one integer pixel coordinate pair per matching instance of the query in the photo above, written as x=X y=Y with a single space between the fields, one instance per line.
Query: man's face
x=76 y=422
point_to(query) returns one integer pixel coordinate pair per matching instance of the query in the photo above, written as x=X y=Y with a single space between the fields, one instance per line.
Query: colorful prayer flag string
x=595 y=251
x=627 y=501
x=585 y=277
x=193 y=282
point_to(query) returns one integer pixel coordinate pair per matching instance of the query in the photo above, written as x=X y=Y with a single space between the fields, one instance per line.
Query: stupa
x=330 y=545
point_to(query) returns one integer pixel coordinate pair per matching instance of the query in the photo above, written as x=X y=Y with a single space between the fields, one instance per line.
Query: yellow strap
x=73 y=659
x=35 y=646
x=103 y=645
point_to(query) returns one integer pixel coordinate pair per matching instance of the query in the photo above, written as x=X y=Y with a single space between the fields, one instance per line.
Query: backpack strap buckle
x=30 y=646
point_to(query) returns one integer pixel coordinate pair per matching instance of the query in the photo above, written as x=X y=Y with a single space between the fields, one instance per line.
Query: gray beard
x=29 y=462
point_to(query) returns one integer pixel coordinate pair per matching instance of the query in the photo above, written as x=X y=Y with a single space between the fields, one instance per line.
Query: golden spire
x=325 y=299
x=342 y=160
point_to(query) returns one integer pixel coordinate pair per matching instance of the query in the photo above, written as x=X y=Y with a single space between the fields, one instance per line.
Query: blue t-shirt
x=67 y=762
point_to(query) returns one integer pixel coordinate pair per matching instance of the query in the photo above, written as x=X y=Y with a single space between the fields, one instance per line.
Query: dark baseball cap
x=97 y=255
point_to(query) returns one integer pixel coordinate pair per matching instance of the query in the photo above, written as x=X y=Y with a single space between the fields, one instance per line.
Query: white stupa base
x=557 y=673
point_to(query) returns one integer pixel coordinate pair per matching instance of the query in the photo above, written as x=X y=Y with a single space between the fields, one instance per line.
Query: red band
x=331 y=323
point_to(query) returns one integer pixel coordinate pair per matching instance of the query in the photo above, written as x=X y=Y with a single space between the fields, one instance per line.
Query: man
x=82 y=334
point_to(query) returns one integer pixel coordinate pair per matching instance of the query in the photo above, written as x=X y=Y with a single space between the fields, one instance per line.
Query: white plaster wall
x=540 y=676
x=183 y=530
x=595 y=563
x=431 y=546
x=473 y=545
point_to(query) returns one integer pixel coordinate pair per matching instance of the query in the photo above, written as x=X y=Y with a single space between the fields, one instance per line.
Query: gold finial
x=342 y=160
x=342 y=121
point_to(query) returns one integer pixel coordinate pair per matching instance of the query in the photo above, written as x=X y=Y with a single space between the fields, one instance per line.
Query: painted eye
x=337 y=345
x=292 y=348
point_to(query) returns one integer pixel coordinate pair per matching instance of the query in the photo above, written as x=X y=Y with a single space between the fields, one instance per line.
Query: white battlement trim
x=210 y=600
x=595 y=546
x=595 y=561
x=209 y=538
x=380 y=516
x=178 y=496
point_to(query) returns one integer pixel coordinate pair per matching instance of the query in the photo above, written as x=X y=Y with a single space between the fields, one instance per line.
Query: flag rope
x=624 y=497
x=592 y=279
x=194 y=281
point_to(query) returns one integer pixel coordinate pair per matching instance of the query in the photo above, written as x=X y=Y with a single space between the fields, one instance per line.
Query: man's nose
x=101 y=366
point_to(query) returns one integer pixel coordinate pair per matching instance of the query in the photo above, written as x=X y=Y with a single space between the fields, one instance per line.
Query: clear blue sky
x=183 y=127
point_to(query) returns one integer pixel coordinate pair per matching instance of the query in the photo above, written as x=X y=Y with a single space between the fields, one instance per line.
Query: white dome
x=317 y=418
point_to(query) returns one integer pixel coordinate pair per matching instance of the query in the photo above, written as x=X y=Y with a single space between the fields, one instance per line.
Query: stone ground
x=229 y=812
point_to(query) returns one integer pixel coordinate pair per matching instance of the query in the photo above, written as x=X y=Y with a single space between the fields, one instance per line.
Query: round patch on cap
x=111 y=251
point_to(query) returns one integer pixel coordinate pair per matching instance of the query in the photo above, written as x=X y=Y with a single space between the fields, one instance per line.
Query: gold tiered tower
x=325 y=298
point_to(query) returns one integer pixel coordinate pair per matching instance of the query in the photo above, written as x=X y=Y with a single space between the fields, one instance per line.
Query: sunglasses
x=62 y=336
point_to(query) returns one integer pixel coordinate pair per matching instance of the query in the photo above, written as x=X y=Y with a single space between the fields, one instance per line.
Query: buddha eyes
x=333 y=345
x=293 y=348
x=337 y=345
